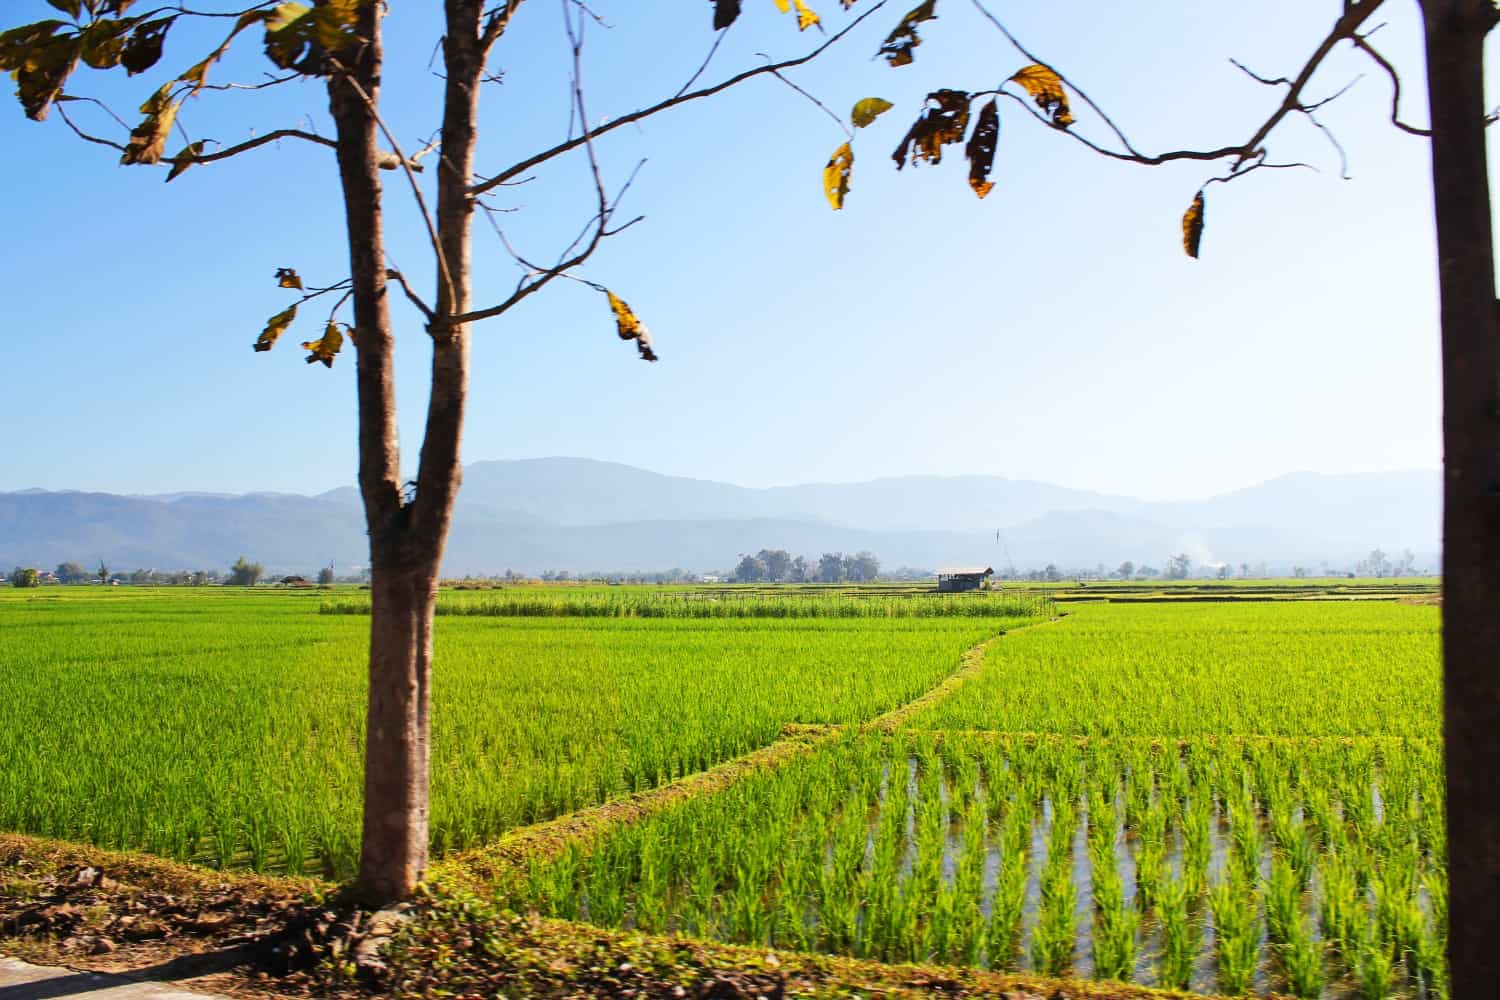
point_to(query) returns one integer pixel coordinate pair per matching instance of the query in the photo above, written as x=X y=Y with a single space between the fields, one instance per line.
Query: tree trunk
x=1455 y=31
x=407 y=534
x=393 y=849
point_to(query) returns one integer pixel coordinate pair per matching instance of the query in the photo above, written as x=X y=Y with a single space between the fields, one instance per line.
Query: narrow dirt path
x=22 y=981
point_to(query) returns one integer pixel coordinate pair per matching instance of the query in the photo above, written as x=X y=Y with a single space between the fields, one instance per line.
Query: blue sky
x=1053 y=331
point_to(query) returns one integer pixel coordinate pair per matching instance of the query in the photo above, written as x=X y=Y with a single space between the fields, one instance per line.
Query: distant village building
x=955 y=578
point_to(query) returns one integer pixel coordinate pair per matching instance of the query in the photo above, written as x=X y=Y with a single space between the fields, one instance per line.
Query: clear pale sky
x=1053 y=331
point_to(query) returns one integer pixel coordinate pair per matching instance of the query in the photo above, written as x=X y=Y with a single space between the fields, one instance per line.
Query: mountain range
x=583 y=515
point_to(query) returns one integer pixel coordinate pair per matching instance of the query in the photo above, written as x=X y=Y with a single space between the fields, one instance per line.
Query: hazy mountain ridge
x=582 y=515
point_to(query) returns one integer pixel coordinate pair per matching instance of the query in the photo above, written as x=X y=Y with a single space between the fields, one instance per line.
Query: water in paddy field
x=889 y=861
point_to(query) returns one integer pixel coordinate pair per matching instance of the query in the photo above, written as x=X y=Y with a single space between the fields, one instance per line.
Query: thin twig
x=1362 y=43
x=836 y=119
x=1343 y=157
x=411 y=177
x=393 y=274
x=1280 y=81
x=1071 y=85
x=1346 y=26
x=718 y=39
x=635 y=116
x=542 y=277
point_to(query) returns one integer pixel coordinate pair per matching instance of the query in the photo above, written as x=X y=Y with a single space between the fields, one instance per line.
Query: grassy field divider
x=484 y=866
x=970 y=665
x=1080 y=741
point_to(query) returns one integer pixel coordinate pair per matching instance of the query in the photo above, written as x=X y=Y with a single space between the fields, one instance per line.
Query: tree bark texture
x=393 y=848
x=407 y=532
x=1455 y=33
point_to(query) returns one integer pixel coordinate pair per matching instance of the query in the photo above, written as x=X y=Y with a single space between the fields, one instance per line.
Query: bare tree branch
x=1071 y=85
x=635 y=116
x=495 y=25
x=1346 y=27
x=221 y=154
x=538 y=277
x=394 y=275
x=1362 y=43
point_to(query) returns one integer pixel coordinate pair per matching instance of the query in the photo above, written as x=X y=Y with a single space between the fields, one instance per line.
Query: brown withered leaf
x=143 y=49
x=41 y=62
x=836 y=175
x=981 y=148
x=103 y=42
x=184 y=159
x=300 y=37
x=629 y=326
x=1046 y=88
x=726 y=12
x=325 y=348
x=898 y=44
x=275 y=327
x=149 y=138
x=942 y=123
x=1192 y=226
x=866 y=111
x=806 y=18
x=286 y=277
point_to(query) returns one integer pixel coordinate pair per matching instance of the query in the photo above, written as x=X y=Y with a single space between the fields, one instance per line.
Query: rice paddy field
x=226 y=726
x=1229 y=796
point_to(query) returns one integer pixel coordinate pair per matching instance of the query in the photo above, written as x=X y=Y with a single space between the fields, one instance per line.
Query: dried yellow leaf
x=629 y=326
x=783 y=5
x=324 y=349
x=1192 y=226
x=149 y=138
x=836 y=175
x=805 y=16
x=1046 y=88
x=866 y=111
x=275 y=327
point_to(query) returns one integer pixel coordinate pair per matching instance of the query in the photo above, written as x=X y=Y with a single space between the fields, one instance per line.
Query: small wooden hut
x=952 y=579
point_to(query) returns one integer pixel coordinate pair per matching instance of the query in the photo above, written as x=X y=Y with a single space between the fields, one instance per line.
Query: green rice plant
x=1179 y=937
x=1003 y=936
x=1283 y=900
x=1374 y=969
x=1056 y=923
x=1236 y=935
x=1339 y=904
x=1115 y=920
x=1302 y=961
x=1430 y=963
x=1151 y=856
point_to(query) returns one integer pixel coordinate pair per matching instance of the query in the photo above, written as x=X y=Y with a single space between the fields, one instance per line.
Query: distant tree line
x=780 y=566
x=243 y=573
